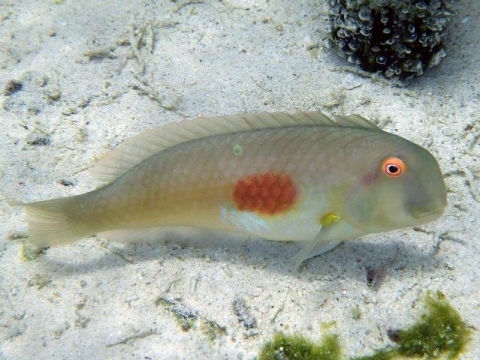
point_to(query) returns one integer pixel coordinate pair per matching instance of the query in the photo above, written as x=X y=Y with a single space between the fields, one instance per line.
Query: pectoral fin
x=314 y=248
x=321 y=244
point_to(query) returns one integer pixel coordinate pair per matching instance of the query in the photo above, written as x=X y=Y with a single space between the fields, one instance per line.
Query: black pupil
x=392 y=169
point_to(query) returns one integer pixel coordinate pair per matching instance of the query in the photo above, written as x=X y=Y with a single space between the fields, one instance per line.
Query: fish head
x=399 y=184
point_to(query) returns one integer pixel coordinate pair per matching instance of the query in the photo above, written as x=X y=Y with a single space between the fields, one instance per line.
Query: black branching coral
x=397 y=38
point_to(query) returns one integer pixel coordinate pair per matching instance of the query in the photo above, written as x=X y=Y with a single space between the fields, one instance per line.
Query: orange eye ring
x=393 y=167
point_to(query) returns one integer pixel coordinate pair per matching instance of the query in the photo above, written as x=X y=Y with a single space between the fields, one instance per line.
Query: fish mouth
x=426 y=215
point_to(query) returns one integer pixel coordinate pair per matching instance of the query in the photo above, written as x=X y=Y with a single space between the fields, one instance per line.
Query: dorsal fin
x=138 y=148
x=355 y=121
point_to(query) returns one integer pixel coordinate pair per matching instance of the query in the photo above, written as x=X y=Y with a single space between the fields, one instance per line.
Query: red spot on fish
x=267 y=194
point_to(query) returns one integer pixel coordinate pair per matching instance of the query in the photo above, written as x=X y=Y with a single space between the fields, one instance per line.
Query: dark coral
x=398 y=38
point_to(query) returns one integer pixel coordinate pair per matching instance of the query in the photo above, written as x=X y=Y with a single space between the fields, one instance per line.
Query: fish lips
x=430 y=213
x=428 y=199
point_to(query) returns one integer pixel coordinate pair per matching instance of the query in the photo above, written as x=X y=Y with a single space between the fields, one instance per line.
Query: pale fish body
x=301 y=177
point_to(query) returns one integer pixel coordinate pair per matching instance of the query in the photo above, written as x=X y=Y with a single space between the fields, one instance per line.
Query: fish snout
x=431 y=212
x=428 y=198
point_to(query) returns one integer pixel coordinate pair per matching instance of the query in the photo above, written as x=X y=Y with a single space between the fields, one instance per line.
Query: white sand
x=95 y=73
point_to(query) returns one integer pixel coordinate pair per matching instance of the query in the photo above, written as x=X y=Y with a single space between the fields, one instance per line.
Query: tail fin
x=50 y=222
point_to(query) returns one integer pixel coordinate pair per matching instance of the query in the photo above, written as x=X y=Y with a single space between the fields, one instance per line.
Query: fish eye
x=393 y=167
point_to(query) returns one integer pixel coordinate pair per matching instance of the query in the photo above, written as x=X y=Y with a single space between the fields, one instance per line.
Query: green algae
x=184 y=314
x=440 y=333
x=30 y=252
x=212 y=330
x=441 y=330
x=188 y=318
x=285 y=347
x=357 y=313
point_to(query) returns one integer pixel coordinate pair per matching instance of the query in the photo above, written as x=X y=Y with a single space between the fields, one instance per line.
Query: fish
x=301 y=177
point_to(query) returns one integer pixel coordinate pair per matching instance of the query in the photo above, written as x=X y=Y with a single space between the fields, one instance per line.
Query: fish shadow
x=365 y=260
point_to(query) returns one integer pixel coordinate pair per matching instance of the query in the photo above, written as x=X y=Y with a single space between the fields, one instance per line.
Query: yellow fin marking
x=329 y=219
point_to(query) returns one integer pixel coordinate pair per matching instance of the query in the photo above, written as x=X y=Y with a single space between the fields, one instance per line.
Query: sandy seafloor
x=94 y=73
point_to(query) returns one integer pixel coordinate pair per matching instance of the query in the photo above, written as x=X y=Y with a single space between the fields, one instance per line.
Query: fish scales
x=299 y=177
x=188 y=185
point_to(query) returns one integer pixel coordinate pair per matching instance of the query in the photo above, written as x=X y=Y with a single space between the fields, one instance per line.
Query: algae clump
x=439 y=334
x=285 y=347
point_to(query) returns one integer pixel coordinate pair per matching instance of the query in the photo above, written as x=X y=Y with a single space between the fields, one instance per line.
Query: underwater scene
x=240 y=179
